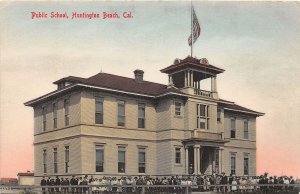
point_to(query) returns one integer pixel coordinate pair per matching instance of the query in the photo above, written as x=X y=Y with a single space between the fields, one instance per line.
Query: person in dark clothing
x=292 y=181
x=57 y=184
x=224 y=181
x=43 y=183
x=73 y=182
x=49 y=184
x=67 y=184
x=52 y=184
x=172 y=181
x=85 y=182
x=80 y=189
x=91 y=179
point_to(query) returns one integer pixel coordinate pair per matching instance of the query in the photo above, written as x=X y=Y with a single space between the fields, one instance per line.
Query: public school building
x=108 y=125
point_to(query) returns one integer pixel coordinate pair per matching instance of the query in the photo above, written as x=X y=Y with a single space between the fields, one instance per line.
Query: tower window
x=177 y=108
x=202 y=116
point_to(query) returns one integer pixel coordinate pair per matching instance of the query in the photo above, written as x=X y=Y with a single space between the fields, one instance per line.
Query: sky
x=257 y=43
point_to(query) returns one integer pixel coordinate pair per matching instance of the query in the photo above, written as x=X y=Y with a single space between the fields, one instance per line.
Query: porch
x=203 y=153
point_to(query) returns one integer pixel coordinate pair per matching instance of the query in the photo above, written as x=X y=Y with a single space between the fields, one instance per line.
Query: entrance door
x=191 y=160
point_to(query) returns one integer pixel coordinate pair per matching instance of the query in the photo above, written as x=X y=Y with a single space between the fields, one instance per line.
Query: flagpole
x=192 y=28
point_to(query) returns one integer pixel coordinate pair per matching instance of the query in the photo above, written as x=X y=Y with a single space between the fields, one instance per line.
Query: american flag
x=196 y=29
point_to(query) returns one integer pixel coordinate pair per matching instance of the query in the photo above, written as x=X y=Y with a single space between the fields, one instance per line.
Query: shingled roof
x=231 y=106
x=115 y=83
x=193 y=63
x=123 y=84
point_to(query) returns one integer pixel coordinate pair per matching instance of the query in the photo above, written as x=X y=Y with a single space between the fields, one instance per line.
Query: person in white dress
x=234 y=185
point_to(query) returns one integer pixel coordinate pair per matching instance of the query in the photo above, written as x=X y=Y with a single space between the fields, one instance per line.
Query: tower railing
x=203 y=93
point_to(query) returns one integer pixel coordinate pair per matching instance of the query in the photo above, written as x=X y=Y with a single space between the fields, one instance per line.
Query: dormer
x=66 y=81
x=188 y=73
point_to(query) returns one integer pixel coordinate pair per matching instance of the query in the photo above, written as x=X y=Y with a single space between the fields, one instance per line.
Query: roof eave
x=37 y=100
x=247 y=112
x=168 y=70
x=171 y=93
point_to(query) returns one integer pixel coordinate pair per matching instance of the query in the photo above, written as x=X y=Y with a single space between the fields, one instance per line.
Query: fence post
x=187 y=189
x=143 y=189
x=90 y=190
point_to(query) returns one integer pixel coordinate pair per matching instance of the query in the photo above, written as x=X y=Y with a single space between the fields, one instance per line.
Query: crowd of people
x=173 y=184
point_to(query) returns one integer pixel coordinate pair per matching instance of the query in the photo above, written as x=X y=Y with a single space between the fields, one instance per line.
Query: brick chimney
x=138 y=75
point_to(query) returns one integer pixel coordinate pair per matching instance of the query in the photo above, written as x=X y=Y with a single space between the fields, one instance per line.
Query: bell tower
x=188 y=73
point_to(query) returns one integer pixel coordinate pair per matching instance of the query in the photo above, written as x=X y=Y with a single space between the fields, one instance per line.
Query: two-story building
x=112 y=125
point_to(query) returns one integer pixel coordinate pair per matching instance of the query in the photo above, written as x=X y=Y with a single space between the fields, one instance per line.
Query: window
x=232 y=128
x=202 y=116
x=177 y=155
x=98 y=110
x=66 y=107
x=44 y=118
x=121 y=113
x=142 y=160
x=217 y=161
x=141 y=115
x=246 y=130
x=45 y=161
x=99 y=158
x=219 y=114
x=121 y=159
x=233 y=163
x=54 y=115
x=177 y=108
x=67 y=158
x=55 y=160
x=246 y=164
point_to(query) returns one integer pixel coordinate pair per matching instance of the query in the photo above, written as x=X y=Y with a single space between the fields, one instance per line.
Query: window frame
x=44 y=118
x=44 y=161
x=99 y=164
x=55 y=108
x=246 y=167
x=233 y=163
x=55 y=160
x=142 y=165
x=143 y=118
x=67 y=111
x=201 y=117
x=233 y=128
x=246 y=129
x=121 y=103
x=99 y=99
x=67 y=158
x=217 y=161
x=178 y=158
x=177 y=105
x=120 y=163
x=219 y=112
